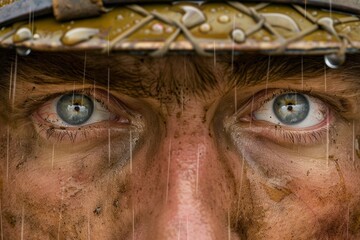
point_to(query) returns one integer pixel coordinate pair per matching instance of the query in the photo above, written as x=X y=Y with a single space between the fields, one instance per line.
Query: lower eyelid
x=78 y=134
x=283 y=134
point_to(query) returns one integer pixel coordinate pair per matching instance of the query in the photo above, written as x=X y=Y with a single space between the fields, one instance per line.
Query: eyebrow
x=140 y=76
x=274 y=68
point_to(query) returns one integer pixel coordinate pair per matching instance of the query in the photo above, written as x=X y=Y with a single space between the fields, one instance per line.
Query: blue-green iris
x=291 y=108
x=75 y=109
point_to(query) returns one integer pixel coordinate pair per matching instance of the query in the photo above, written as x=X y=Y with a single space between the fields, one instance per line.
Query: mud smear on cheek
x=18 y=146
x=119 y=150
x=354 y=227
x=3 y=153
x=334 y=220
x=276 y=194
x=107 y=204
x=248 y=218
x=357 y=146
x=10 y=218
x=333 y=223
x=121 y=200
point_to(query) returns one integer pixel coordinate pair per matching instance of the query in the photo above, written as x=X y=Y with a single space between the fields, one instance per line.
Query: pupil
x=77 y=108
x=290 y=108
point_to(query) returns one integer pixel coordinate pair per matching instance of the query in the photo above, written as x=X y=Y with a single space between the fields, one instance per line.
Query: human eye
x=288 y=116
x=293 y=110
x=77 y=115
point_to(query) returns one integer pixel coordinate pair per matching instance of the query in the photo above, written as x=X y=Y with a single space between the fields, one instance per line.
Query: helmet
x=286 y=27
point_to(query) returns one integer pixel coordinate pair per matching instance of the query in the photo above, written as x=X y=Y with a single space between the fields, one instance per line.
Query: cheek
x=345 y=147
x=45 y=178
x=316 y=185
x=317 y=167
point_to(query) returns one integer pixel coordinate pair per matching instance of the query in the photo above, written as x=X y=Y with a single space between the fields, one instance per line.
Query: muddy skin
x=192 y=162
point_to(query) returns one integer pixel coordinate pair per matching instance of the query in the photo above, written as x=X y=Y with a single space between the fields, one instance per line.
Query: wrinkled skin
x=183 y=164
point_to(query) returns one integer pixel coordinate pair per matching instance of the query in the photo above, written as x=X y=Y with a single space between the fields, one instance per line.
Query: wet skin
x=183 y=155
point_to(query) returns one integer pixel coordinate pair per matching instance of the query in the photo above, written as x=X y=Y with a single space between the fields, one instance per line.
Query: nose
x=196 y=201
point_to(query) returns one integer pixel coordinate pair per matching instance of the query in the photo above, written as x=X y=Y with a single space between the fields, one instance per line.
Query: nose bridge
x=189 y=212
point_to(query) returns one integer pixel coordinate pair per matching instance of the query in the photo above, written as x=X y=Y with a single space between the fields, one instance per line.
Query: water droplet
x=224 y=19
x=22 y=34
x=169 y=30
x=314 y=13
x=192 y=16
x=132 y=15
x=334 y=60
x=239 y=15
x=204 y=28
x=23 y=51
x=213 y=10
x=147 y=31
x=78 y=35
x=157 y=28
x=119 y=17
x=36 y=36
x=136 y=21
x=347 y=29
x=266 y=38
x=238 y=35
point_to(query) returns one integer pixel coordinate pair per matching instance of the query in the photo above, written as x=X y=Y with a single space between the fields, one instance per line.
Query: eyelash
x=57 y=134
x=284 y=134
x=297 y=137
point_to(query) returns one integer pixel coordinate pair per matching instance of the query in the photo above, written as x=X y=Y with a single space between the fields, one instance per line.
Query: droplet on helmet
x=224 y=19
x=23 y=51
x=334 y=60
x=157 y=28
x=238 y=35
x=22 y=34
x=78 y=35
x=204 y=28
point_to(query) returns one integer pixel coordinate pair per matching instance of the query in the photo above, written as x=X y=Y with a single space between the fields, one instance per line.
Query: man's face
x=180 y=147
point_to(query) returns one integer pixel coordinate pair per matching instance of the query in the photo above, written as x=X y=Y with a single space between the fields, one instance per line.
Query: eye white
x=316 y=115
